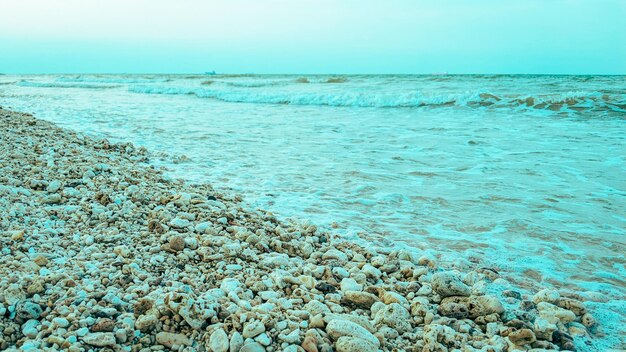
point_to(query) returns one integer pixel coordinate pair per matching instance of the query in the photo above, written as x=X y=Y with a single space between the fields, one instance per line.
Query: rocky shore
x=102 y=251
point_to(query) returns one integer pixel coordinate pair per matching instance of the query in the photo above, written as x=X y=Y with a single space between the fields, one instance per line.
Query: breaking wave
x=253 y=84
x=66 y=85
x=256 y=83
x=570 y=102
x=118 y=80
x=321 y=80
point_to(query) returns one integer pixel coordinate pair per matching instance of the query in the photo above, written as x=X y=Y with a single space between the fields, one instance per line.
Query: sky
x=306 y=36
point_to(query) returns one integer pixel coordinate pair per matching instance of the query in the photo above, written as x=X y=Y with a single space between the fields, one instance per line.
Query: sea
x=523 y=174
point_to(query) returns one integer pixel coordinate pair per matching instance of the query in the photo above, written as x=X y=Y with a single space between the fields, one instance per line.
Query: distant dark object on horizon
x=211 y=73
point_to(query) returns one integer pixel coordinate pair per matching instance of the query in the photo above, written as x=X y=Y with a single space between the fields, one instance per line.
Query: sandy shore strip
x=102 y=251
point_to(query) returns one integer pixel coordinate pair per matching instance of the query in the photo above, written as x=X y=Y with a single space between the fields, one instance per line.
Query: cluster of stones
x=101 y=251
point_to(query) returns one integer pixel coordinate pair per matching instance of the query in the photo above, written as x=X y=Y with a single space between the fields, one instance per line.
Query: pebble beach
x=103 y=251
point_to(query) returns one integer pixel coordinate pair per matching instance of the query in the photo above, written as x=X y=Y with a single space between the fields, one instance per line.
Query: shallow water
x=526 y=174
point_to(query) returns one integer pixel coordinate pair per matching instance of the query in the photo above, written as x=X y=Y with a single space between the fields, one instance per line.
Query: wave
x=119 y=80
x=570 y=102
x=322 y=80
x=235 y=75
x=258 y=83
x=66 y=85
x=253 y=84
x=267 y=83
x=330 y=99
x=336 y=80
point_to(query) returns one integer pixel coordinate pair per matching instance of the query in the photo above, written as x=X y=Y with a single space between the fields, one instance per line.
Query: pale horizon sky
x=280 y=36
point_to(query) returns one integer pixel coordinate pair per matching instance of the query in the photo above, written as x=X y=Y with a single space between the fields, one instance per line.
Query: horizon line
x=312 y=74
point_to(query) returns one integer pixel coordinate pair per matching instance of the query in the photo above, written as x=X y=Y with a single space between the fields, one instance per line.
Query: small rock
x=230 y=285
x=191 y=242
x=41 y=260
x=218 y=341
x=155 y=227
x=340 y=272
x=53 y=186
x=17 y=235
x=203 y=227
x=169 y=339
x=252 y=347
x=563 y=340
x=29 y=328
x=371 y=272
x=177 y=243
x=577 y=307
x=100 y=339
x=103 y=325
x=253 y=329
x=121 y=335
x=335 y=254
x=448 y=284
x=55 y=340
x=146 y=322
x=275 y=260
x=61 y=322
x=544 y=328
x=338 y=327
x=349 y=284
x=317 y=321
x=292 y=337
x=82 y=332
x=512 y=294
x=588 y=320
x=325 y=287
x=29 y=310
x=309 y=344
x=179 y=223
x=352 y=344
x=394 y=316
x=35 y=287
x=308 y=281
x=142 y=306
x=472 y=307
x=236 y=342
x=553 y=313
x=263 y=339
x=454 y=309
x=394 y=297
x=522 y=337
x=359 y=299
x=577 y=329
x=547 y=295
x=54 y=198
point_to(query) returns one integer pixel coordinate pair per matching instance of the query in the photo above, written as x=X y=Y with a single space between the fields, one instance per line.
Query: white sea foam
x=412 y=99
x=568 y=102
x=25 y=83
x=111 y=79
